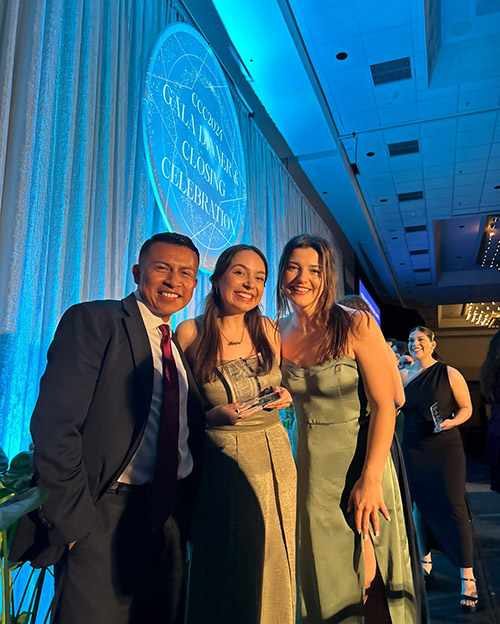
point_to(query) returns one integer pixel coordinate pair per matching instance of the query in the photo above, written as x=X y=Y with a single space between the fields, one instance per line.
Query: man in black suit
x=99 y=429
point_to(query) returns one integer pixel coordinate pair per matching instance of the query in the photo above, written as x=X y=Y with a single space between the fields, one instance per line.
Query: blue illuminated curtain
x=75 y=199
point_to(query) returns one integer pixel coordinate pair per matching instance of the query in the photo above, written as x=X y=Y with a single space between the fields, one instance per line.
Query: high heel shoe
x=470 y=608
x=429 y=578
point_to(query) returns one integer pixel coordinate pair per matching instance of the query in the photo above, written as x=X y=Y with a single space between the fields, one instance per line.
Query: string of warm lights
x=483 y=314
x=491 y=246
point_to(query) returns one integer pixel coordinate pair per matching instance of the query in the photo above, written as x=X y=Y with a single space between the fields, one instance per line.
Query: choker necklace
x=233 y=343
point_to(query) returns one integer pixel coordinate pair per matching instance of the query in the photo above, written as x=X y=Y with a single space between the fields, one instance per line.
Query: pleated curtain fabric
x=76 y=202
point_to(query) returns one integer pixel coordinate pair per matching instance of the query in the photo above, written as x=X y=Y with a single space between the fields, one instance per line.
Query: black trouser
x=123 y=572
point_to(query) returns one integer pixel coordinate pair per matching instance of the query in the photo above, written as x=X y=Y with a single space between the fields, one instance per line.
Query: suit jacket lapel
x=140 y=347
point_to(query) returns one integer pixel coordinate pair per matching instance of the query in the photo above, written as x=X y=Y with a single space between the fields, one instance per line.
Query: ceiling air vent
x=487 y=7
x=404 y=147
x=426 y=284
x=420 y=270
x=419 y=252
x=402 y=197
x=391 y=71
x=415 y=228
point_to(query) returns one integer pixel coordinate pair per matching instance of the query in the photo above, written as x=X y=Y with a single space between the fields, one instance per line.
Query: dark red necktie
x=165 y=478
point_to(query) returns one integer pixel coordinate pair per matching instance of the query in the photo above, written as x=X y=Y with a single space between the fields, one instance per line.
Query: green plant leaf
x=5 y=493
x=18 y=476
x=20 y=504
x=4 y=461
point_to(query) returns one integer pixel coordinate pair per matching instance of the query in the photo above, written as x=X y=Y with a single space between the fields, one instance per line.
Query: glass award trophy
x=436 y=417
x=265 y=397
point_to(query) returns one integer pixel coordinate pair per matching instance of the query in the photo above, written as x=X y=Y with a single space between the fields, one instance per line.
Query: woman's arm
x=399 y=393
x=370 y=352
x=462 y=399
x=186 y=334
x=273 y=335
x=403 y=373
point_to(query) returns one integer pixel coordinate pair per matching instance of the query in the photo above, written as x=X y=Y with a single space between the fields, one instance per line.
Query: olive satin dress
x=242 y=567
x=332 y=418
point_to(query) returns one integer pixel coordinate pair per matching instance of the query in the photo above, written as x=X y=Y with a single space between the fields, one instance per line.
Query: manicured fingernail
x=365 y=537
x=377 y=533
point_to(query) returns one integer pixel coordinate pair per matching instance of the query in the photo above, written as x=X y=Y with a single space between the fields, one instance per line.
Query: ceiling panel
x=386 y=44
x=474 y=152
x=437 y=107
x=455 y=120
x=378 y=16
x=326 y=24
x=478 y=121
x=439 y=157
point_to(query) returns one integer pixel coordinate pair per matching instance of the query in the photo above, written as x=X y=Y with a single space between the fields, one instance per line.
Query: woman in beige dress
x=242 y=567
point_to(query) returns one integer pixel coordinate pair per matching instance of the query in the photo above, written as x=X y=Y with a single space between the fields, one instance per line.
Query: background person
x=347 y=487
x=490 y=387
x=243 y=558
x=406 y=360
x=435 y=459
x=119 y=499
x=399 y=348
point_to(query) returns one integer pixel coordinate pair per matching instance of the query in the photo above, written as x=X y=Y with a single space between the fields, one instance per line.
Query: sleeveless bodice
x=314 y=389
x=238 y=381
x=427 y=389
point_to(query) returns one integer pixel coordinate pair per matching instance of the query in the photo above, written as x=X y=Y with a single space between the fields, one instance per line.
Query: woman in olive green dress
x=242 y=567
x=353 y=559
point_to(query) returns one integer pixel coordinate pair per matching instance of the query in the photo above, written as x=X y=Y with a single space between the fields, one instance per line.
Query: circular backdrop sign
x=193 y=143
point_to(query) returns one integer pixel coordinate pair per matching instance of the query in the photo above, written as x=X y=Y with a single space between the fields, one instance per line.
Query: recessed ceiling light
x=383 y=201
x=341 y=56
x=370 y=154
x=395 y=238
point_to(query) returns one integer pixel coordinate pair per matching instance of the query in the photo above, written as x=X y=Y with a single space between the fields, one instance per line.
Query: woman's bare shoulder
x=186 y=333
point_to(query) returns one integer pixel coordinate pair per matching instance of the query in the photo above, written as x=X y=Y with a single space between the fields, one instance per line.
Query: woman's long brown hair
x=338 y=323
x=208 y=344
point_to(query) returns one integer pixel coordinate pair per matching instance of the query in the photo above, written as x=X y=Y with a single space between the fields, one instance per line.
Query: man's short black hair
x=171 y=238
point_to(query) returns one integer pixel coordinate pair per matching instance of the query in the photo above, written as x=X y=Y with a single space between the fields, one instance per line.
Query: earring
x=217 y=290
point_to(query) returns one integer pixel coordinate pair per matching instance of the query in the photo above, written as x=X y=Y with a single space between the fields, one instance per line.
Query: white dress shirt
x=142 y=465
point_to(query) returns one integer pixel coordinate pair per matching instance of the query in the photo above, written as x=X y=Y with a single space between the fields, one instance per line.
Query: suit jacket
x=89 y=419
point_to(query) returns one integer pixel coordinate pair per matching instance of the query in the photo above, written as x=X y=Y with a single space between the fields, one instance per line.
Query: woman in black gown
x=437 y=401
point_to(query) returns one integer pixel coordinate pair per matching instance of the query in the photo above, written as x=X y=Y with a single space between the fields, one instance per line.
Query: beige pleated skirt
x=242 y=567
